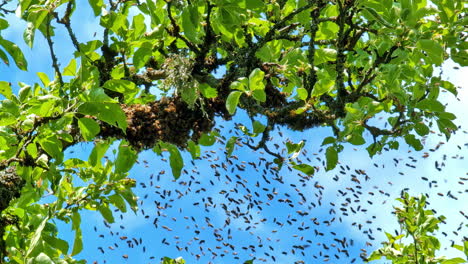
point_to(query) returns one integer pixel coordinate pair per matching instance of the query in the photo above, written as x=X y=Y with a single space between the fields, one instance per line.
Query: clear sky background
x=388 y=174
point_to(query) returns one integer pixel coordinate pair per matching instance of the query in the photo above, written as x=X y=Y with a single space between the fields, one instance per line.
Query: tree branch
x=53 y=56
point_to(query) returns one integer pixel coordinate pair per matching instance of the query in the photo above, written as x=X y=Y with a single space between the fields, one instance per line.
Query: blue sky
x=384 y=176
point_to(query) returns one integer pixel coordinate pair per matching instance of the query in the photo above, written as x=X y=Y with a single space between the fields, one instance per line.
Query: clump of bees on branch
x=168 y=119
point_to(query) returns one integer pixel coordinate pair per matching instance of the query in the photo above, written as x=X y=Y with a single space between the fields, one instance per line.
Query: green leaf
x=126 y=158
x=96 y=5
x=324 y=55
x=294 y=148
x=4 y=57
x=175 y=159
x=37 y=235
x=241 y=84
x=190 y=23
x=232 y=101
x=78 y=242
x=305 y=168
x=194 y=149
x=7 y=119
x=258 y=127
x=106 y=212
x=256 y=80
x=259 y=95
x=15 y=53
x=328 y=140
x=302 y=94
x=372 y=14
x=70 y=70
x=29 y=34
x=3 y=24
x=207 y=139
x=430 y=105
x=454 y=261
x=230 y=144
x=89 y=128
x=208 y=91
x=5 y=89
x=332 y=157
x=142 y=55
x=421 y=129
x=37 y=16
x=100 y=148
x=43 y=259
x=118 y=202
x=24 y=92
x=53 y=146
x=56 y=242
x=434 y=51
x=356 y=139
x=121 y=86
x=110 y=113
x=413 y=142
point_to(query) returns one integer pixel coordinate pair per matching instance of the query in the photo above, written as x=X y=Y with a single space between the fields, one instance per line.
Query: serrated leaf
x=332 y=157
x=88 y=127
x=232 y=101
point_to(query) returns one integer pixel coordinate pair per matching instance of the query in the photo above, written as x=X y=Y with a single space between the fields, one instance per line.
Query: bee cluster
x=168 y=119
x=10 y=186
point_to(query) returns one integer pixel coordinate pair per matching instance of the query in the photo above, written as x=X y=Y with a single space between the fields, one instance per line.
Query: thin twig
x=53 y=56
x=66 y=22
x=176 y=30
